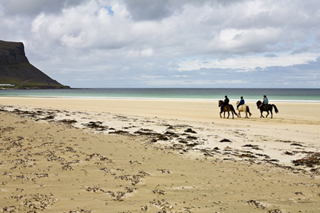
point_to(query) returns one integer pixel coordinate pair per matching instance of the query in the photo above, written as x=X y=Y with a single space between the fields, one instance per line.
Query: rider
x=226 y=102
x=241 y=102
x=265 y=101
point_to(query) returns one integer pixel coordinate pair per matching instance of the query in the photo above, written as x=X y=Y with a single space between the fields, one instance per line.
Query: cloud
x=248 y=63
x=141 y=10
x=147 y=52
x=183 y=42
x=35 y=7
x=271 y=55
x=246 y=40
x=157 y=10
x=87 y=26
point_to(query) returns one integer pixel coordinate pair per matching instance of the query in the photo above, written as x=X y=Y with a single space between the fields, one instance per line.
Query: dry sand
x=70 y=155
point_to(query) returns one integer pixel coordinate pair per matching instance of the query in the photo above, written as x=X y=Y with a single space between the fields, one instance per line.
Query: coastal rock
x=16 y=71
x=225 y=140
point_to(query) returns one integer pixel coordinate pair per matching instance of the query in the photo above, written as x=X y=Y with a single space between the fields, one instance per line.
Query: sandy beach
x=77 y=155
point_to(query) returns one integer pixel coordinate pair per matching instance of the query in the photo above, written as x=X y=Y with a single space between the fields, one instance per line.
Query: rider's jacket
x=265 y=101
x=226 y=101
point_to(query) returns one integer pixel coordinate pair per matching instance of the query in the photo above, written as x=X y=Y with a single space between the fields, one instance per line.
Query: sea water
x=209 y=94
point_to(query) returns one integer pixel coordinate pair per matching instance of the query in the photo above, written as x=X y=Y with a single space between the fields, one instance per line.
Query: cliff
x=16 y=70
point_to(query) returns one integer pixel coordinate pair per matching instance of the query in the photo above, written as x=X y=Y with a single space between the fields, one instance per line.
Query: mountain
x=16 y=71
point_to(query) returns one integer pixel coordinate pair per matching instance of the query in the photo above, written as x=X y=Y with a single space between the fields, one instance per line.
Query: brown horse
x=267 y=108
x=227 y=108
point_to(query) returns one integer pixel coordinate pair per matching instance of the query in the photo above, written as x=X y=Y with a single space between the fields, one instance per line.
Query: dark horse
x=227 y=108
x=267 y=108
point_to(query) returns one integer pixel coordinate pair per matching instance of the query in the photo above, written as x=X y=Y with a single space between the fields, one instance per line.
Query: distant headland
x=17 y=73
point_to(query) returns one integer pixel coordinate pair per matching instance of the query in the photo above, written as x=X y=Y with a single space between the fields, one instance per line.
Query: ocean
x=208 y=94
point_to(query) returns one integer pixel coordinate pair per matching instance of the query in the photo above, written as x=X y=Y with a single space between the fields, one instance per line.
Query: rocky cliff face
x=16 y=69
x=12 y=52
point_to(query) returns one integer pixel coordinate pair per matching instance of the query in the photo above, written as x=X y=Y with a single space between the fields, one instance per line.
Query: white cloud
x=248 y=63
x=147 y=52
x=246 y=40
x=102 y=39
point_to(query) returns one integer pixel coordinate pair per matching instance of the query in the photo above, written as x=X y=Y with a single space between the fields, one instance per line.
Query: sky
x=169 y=43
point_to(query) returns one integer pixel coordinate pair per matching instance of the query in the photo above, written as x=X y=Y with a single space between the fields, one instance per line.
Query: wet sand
x=60 y=155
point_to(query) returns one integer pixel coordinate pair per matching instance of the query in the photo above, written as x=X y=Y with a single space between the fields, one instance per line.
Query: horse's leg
x=271 y=113
x=228 y=115
x=261 y=114
x=220 y=115
x=267 y=113
x=248 y=110
x=245 y=112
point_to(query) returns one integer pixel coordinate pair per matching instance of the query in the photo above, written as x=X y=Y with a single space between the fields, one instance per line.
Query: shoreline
x=233 y=101
x=210 y=107
x=294 y=95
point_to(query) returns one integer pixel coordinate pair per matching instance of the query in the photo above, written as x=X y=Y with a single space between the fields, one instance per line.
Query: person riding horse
x=265 y=101
x=226 y=107
x=225 y=102
x=241 y=102
x=265 y=106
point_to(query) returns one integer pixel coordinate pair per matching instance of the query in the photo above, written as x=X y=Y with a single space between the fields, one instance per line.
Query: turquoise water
x=274 y=95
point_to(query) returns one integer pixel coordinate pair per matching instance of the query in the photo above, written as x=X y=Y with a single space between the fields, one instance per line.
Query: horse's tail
x=248 y=110
x=233 y=110
x=275 y=108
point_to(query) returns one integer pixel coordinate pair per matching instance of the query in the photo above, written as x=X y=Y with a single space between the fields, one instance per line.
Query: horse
x=243 y=108
x=227 y=108
x=267 y=108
